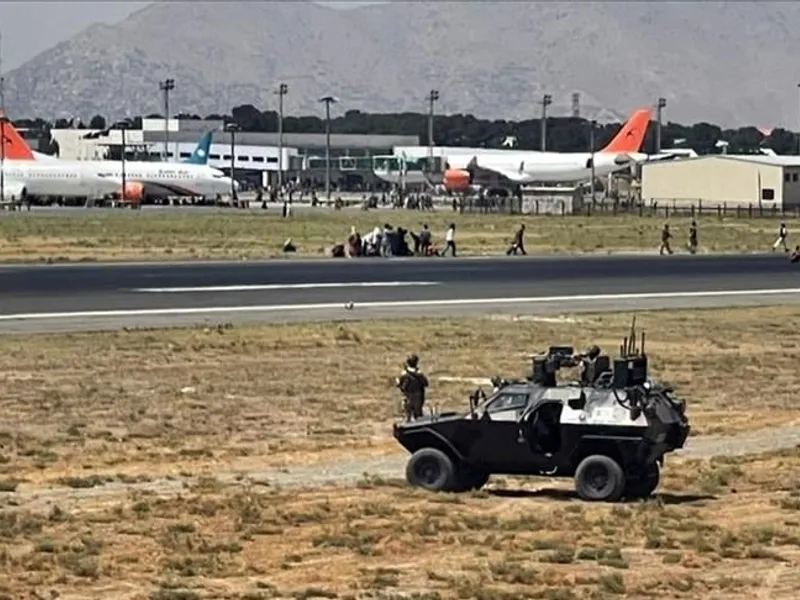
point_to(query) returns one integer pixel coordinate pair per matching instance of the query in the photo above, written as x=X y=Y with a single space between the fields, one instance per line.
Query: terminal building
x=724 y=180
x=256 y=156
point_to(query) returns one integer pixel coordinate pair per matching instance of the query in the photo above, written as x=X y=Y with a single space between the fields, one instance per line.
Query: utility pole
x=328 y=100
x=283 y=89
x=547 y=100
x=166 y=86
x=433 y=97
x=662 y=103
x=591 y=149
x=232 y=128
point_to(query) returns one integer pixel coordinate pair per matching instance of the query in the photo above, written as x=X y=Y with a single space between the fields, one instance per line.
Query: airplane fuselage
x=551 y=167
x=98 y=178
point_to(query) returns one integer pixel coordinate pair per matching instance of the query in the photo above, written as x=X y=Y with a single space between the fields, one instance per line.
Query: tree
x=97 y=122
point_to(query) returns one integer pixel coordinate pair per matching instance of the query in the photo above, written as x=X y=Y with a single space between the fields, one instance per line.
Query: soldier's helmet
x=412 y=361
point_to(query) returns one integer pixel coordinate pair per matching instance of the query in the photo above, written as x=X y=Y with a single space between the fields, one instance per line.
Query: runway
x=98 y=296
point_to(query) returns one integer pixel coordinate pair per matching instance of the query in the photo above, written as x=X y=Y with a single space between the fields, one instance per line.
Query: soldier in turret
x=412 y=383
x=586 y=362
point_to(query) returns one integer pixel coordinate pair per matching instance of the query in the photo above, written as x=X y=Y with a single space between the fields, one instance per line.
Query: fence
x=568 y=207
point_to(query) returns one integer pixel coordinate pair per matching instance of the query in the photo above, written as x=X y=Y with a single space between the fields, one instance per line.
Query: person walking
x=450 y=240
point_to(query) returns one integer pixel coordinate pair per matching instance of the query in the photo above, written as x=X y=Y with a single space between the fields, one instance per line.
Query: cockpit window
x=508 y=401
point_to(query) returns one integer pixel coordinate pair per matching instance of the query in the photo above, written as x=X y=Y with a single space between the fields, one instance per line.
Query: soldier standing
x=693 y=238
x=518 y=243
x=412 y=384
x=665 y=238
x=781 y=241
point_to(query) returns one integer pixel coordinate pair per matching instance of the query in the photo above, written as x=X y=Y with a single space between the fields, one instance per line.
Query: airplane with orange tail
x=27 y=174
x=470 y=172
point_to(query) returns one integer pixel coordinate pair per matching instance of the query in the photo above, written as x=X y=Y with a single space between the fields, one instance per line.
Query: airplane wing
x=504 y=171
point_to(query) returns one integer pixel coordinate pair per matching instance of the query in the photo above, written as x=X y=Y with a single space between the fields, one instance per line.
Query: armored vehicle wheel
x=644 y=485
x=599 y=478
x=431 y=469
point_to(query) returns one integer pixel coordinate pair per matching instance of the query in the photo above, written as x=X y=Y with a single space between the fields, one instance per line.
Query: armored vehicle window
x=508 y=401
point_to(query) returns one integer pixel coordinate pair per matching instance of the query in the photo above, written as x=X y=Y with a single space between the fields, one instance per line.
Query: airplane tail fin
x=14 y=145
x=200 y=154
x=631 y=136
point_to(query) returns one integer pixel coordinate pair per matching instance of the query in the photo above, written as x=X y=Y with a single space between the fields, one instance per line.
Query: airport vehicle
x=98 y=178
x=610 y=432
x=473 y=171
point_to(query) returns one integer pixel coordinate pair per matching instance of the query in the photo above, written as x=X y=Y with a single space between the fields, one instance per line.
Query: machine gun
x=546 y=366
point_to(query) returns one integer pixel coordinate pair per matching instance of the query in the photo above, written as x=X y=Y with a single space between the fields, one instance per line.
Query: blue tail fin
x=200 y=154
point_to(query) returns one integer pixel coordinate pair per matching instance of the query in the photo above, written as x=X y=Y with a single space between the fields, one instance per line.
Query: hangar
x=724 y=180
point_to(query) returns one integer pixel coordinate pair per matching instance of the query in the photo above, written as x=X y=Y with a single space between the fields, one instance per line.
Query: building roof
x=777 y=160
x=295 y=140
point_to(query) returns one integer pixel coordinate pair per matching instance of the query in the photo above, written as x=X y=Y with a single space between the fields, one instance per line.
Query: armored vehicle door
x=495 y=434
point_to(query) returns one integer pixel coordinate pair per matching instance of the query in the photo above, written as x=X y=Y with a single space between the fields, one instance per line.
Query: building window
x=768 y=194
x=258 y=159
x=794 y=176
x=787 y=177
x=185 y=154
x=226 y=157
x=272 y=159
x=243 y=158
x=213 y=156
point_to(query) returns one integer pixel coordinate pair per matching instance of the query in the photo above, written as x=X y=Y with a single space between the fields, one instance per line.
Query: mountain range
x=728 y=63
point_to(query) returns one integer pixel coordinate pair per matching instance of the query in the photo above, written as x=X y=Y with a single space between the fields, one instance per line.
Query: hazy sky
x=29 y=28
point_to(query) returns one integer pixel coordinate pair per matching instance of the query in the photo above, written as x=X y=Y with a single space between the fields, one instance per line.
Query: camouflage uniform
x=587 y=360
x=412 y=383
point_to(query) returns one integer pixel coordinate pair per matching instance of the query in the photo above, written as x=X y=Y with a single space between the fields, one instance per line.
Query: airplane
x=472 y=171
x=98 y=178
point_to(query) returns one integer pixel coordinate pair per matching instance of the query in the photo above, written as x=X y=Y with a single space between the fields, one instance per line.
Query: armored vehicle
x=610 y=431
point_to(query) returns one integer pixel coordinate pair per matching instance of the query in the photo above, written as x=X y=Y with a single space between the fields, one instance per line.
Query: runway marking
x=143 y=312
x=283 y=286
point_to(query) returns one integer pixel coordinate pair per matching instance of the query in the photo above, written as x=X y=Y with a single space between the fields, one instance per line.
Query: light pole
x=328 y=100
x=232 y=128
x=123 y=126
x=662 y=103
x=798 y=131
x=433 y=97
x=283 y=89
x=3 y=120
x=166 y=86
x=547 y=100
x=591 y=149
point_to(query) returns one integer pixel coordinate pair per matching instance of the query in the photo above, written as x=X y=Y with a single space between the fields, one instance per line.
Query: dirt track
x=349 y=472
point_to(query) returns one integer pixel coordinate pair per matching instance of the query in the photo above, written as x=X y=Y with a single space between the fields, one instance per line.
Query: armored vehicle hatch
x=610 y=431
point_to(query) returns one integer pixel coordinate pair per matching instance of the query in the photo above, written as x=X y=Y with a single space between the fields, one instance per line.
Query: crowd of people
x=393 y=241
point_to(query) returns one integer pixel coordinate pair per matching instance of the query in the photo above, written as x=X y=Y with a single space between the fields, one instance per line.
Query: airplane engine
x=134 y=191
x=457 y=180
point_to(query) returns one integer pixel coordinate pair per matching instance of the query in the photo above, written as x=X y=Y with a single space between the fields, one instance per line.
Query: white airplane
x=27 y=175
x=471 y=171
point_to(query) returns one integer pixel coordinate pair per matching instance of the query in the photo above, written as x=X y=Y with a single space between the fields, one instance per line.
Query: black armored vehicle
x=610 y=431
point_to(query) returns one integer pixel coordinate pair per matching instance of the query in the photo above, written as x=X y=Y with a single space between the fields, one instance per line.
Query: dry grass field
x=83 y=411
x=79 y=408
x=182 y=234
x=726 y=528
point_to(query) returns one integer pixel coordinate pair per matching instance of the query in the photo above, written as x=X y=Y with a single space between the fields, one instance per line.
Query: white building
x=253 y=151
x=724 y=180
